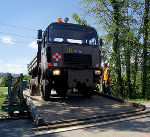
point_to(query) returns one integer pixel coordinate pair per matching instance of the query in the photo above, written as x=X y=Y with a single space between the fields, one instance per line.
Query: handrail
x=32 y=63
x=15 y=92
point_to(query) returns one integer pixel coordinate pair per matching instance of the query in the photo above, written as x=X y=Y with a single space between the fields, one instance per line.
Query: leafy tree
x=27 y=78
x=126 y=44
x=77 y=18
x=4 y=82
x=109 y=14
x=145 y=47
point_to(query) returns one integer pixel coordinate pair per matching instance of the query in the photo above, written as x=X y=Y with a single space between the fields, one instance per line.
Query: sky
x=19 y=22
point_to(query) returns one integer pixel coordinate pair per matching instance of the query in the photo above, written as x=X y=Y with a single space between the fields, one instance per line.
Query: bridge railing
x=15 y=91
x=14 y=101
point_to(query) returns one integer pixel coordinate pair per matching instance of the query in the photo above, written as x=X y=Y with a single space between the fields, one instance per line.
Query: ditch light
x=97 y=72
x=56 y=72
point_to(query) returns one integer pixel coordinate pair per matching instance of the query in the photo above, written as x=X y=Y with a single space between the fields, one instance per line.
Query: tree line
x=126 y=44
x=4 y=80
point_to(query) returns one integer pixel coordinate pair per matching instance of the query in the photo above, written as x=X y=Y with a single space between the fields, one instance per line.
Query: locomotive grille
x=77 y=60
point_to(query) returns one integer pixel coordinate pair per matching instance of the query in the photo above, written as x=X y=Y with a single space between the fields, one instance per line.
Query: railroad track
x=62 y=124
x=63 y=127
x=71 y=113
x=16 y=116
x=52 y=114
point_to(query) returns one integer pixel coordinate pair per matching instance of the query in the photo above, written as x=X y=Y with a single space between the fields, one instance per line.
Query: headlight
x=56 y=72
x=97 y=72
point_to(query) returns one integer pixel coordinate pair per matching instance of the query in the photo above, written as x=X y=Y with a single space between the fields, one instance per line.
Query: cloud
x=19 y=65
x=33 y=45
x=7 y=40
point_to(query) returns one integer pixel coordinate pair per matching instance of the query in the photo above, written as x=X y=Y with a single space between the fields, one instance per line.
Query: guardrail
x=14 y=101
x=32 y=64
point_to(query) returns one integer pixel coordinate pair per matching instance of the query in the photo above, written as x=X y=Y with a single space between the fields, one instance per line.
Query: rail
x=32 y=64
x=37 y=105
x=14 y=101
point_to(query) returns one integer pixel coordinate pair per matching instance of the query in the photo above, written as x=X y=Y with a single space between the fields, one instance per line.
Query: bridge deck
x=77 y=107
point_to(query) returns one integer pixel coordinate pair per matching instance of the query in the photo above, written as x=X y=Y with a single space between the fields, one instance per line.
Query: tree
x=109 y=14
x=128 y=48
x=130 y=41
x=77 y=18
x=145 y=47
x=27 y=78
x=4 y=82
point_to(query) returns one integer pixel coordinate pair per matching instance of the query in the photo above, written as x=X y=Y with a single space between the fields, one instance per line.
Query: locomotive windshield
x=72 y=34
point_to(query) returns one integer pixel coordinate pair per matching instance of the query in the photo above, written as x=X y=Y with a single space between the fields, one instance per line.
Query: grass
x=3 y=90
x=140 y=100
x=2 y=96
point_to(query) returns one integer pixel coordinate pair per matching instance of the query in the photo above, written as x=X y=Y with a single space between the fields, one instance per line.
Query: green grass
x=3 y=90
x=2 y=96
x=140 y=100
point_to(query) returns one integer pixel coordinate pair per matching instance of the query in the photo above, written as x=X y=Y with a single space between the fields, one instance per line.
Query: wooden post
x=21 y=88
x=9 y=89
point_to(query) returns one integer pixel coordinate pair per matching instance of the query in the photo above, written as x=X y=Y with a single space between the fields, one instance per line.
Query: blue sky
x=19 y=22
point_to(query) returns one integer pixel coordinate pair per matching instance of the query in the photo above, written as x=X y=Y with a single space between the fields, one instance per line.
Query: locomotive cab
x=68 y=57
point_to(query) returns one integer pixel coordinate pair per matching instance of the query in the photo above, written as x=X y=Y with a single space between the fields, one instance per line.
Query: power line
x=17 y=35
x=19 y=27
